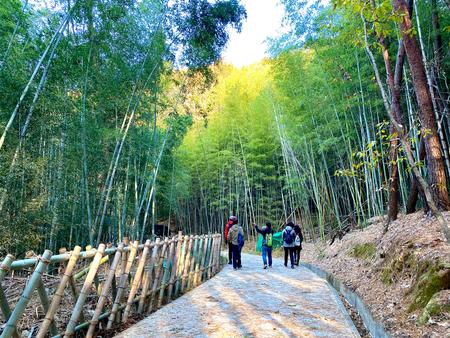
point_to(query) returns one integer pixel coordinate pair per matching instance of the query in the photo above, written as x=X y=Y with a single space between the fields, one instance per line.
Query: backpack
x=269 y=239
x=240 y=239
x=288 y=237
x=297 y=241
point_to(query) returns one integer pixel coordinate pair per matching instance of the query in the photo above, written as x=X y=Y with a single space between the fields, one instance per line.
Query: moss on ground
x=365 y=251
x=435 y=279
x=437 y=305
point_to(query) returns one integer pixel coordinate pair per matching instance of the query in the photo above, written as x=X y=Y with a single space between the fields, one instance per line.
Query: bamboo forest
x=126 y=120
x=119 y=114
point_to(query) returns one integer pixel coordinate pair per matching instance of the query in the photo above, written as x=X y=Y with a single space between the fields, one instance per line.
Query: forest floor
x=252 y=302
x=402 y=276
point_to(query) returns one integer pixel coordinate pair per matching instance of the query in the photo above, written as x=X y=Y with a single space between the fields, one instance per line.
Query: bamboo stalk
x=26 y=295
x=157 y=275
x=211 y=257
x=166 y=274
x=181 y=264
x=126 y=267
x=193 y=261
x=104 y=294
x=4 y=268
x=136 y=281
x=203 y=246
x=4 y=306
x=43 y=296
x=78 y=308
x=173 y=275
x=59 y=293
x=187 y=264
x=148 y=278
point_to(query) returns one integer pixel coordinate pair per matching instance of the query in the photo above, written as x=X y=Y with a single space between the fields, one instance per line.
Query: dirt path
x=252 y=302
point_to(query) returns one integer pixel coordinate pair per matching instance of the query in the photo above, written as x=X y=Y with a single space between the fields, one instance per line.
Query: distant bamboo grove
x=119 y=116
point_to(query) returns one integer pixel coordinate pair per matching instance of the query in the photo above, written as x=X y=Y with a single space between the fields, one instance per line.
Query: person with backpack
x=225 y=236
x=235 y=236
x=266 y=248
x=288 y=236
x=298 y=243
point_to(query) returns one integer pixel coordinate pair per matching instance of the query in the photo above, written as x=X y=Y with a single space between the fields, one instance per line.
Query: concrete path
x=252 y=302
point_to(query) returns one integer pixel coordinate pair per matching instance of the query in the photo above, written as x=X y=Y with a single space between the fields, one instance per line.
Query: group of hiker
x=292 y=243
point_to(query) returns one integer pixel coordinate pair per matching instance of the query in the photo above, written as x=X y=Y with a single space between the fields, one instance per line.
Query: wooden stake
x=148 y=278
x=122 y=284
x=104 y=294
x=78 y=308
x=26 y=295
x=136 y=281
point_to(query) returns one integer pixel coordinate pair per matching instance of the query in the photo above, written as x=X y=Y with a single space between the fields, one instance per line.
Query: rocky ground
x=403 y=276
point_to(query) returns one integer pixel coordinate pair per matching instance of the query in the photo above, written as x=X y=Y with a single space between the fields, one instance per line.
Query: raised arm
x=258 y=229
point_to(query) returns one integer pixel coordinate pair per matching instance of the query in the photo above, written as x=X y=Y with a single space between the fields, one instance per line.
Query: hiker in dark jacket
x=266 y=248
x=288 y=236
x=225 y=236
x=298 y=243
x=234 y=234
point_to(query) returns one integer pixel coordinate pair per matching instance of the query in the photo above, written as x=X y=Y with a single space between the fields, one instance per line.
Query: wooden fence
x=87 y=291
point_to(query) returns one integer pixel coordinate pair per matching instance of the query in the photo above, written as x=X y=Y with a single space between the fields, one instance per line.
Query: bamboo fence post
x=157 y=274
x=43 y=296
x=181 y=265
x=187 y=264
x=204 y=275
x=166 y=275
x=59 y=293
x=210 y=257
x=126 y=266
x=193 y=260
x=136 y=281
x=4 y=269
x=214 y=253
x=203 y=260
x=148 y=276
x=78 y=308
x=173 y=274
x=36 y=276
x=104 y=293
x=218 y=246
x=4 y=306
x=198 y=261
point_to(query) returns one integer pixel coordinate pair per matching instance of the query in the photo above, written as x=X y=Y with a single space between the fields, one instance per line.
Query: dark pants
x=230 y=253
x=297 y=250
x=236 y=256
x=266 y=252
x=289 y=250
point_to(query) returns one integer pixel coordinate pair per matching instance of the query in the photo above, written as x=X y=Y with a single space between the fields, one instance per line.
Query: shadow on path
x=251 y=302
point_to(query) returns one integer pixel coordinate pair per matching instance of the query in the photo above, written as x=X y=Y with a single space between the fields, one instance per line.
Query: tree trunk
x=436 y=169
x=406 y=143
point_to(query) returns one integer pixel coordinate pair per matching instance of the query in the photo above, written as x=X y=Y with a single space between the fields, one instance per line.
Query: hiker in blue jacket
x=288 y=236
x=266 y=248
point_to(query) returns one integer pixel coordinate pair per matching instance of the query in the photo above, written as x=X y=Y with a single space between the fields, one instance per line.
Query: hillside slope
x=403 y=276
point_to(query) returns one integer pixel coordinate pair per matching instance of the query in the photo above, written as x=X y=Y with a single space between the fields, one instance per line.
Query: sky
x=264 y=18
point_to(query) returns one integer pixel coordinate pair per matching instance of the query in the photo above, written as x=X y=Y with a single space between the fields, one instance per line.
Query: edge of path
x=375 y=328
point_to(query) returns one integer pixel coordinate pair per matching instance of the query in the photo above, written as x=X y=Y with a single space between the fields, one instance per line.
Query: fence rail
x=101 y=287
